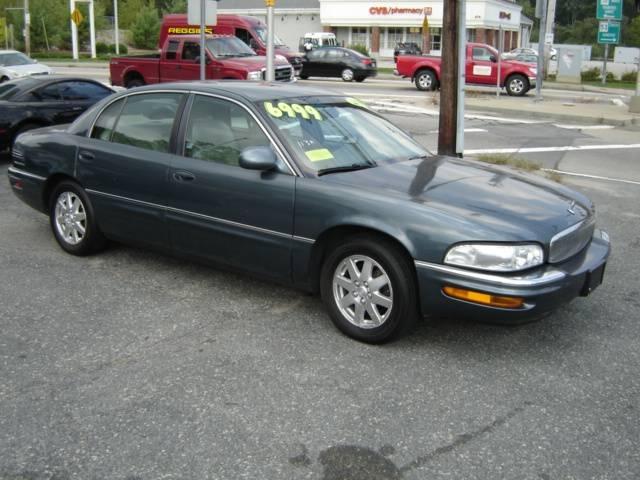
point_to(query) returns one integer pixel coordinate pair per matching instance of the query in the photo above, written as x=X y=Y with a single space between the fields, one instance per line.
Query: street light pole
x=270 y=77
x=203 y=51
x=115 y=25
x=27 y=28
x=541 y=13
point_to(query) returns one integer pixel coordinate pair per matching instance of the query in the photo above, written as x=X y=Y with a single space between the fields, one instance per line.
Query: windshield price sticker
x=356 y=102
x=319 y=155
x=292 y=110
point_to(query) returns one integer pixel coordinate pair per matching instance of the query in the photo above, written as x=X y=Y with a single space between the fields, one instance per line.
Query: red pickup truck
x=482 y=69
x=227 y=58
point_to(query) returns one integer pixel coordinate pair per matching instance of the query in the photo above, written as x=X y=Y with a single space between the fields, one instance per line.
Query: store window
x=436 y=38
x=359 y=36
x=414 y=34
x=394 y=36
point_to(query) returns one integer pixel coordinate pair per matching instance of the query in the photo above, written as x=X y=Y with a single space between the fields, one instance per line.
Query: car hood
x=498 y=202
x=31 y=69
x=253 y=63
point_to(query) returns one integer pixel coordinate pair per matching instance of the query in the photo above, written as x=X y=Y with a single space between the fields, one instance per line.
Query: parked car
x=14 y=64
x=227 y=58
x=35 y=102
x=312 y=189
x=481 y=69
x=525 y=58
x=406 y=48
x=529 y=51
x=338 y=62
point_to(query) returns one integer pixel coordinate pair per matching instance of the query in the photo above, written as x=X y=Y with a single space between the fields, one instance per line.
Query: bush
x=591 y=75
x=102 y=48
x=631 y=77
x=123 y=49
x=145 y=29
x=360 y=48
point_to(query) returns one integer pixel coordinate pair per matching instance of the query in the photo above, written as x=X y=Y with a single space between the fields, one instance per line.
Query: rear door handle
x=182 y=176
x=86 y=156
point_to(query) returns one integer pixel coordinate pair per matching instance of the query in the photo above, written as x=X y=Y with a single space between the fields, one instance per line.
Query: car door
x=47 y=103
x=171 y=66
x=334 y=63
x=189 y=65
x=481 y=68
x=219 y=211
x=79 y=95
x=124 y=162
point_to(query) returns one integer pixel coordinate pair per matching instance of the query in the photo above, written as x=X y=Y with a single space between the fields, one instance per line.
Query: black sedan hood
x=498 y=201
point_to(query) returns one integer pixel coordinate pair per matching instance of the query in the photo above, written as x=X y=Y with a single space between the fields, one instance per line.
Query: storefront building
x=381 y=25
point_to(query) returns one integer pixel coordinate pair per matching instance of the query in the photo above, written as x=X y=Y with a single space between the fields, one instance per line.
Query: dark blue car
x=317 y=191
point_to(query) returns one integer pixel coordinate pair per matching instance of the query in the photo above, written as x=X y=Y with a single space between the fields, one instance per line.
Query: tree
x=146 y=28
x=631 y=34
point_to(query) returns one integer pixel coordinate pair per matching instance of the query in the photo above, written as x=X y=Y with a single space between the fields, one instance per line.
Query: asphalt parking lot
x=134 y=365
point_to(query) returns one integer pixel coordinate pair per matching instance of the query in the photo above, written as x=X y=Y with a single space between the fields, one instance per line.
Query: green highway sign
x=609 y=32
x=609 y=10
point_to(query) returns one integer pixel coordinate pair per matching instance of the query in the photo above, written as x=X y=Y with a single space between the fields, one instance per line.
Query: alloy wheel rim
x=362 y=291
x=70 y=218
x=517 y=85
x=347 y=75
x=425 y=80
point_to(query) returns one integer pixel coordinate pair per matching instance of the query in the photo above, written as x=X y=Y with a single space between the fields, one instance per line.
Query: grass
x=614 y=84
x=519 y=164
x=385 y=70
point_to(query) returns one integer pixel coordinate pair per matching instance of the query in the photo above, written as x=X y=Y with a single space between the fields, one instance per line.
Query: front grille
x=571 y=241
x=283 y=74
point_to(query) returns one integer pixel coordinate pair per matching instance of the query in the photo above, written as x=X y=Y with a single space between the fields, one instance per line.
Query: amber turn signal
x=483 y=298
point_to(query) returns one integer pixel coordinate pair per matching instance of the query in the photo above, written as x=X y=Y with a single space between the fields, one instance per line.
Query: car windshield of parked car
x=7 y=91
x=15 y=59
x=229 y=47
x=338 y=133
x=262 y=33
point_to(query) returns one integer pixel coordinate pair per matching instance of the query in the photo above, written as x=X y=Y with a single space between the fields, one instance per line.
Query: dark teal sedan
x=317 y=191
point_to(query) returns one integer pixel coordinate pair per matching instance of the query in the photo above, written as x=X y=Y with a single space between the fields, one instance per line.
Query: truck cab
x=314 y=40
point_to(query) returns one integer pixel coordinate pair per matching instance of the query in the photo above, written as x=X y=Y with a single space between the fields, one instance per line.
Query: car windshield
x=229 y=47
x=262 y=33
x=7 y=91
x=15 y=59
x=336 y=133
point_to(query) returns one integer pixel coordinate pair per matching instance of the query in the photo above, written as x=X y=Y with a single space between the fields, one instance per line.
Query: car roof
x=9 y=51
x=251 y=91
x=29 y=83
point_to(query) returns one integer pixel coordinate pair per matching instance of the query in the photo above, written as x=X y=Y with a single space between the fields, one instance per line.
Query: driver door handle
x=183 y=176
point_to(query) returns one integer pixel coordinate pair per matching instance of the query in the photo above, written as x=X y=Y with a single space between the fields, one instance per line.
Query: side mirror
x=258 y=158
x=493 y=58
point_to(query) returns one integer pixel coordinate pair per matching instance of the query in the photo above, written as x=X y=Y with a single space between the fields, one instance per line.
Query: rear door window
x=83 y=91
x=172 y=49
x=104 y=124
x=50 y=93
x=147 y=121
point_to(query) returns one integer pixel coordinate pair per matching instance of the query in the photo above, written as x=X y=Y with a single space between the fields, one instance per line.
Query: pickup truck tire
x=347 y=75
x=303 y=76
x=133 y=81
x=517 y=85
x=426 y=80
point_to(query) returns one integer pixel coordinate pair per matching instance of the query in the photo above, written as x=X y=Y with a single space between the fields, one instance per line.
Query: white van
x=317 y=40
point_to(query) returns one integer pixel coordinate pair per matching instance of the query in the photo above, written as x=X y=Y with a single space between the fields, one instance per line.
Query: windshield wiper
x=346 y=168
x=420 y=157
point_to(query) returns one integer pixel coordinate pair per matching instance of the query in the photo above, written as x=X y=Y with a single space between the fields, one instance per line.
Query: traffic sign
x=609 y=10
x=609 y=33
x=76 y=16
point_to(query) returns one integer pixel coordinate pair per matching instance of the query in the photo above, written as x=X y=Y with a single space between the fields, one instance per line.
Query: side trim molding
x=166 y=208
x=533 y=280
x=16 y=171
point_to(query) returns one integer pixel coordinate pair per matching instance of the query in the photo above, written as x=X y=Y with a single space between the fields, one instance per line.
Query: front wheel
x=303 y=76
x=426 y=80
x=367 y=285
x=517 y=85
x=73 y=221
x=347 y=75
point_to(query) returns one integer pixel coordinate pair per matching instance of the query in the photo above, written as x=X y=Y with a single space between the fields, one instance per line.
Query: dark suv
x=406 y=48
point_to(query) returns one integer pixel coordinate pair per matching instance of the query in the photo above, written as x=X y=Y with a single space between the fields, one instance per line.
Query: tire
x=426 y=80
x=69 y=200
x=360 y=79
x=4 y=79
x=347 y=75
x=388 y=295
x=134 y=82
x=517 y=85
x=303 y=76
x=24 y=128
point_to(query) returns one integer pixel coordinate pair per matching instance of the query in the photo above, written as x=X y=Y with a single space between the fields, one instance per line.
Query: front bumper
x=532 y=82
x=544 y=290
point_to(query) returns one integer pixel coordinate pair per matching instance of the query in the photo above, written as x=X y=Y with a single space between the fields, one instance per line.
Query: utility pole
x=448 y=129
x=203 y=47
x=27 y=29
x=541 y=13
x=549 y=31
x=270 y=75
x=115 y=26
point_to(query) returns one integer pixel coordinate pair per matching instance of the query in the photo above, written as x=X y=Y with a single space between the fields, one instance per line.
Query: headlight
x=257 y=75
x=495 y=258
x=534 y=71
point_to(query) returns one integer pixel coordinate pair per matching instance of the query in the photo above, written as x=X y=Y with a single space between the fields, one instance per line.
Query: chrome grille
x=283 y=74
x=571 y=241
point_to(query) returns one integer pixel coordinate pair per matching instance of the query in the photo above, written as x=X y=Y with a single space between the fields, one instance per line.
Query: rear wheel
x=517 y=85
x=73 y=221
x=426 y=80
x=3 y=79
x=367 y=285
x=360 y=79
x=347 y=75
x=134 y=82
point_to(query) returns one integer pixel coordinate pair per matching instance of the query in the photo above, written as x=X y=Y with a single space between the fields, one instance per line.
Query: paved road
x=133 y=365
